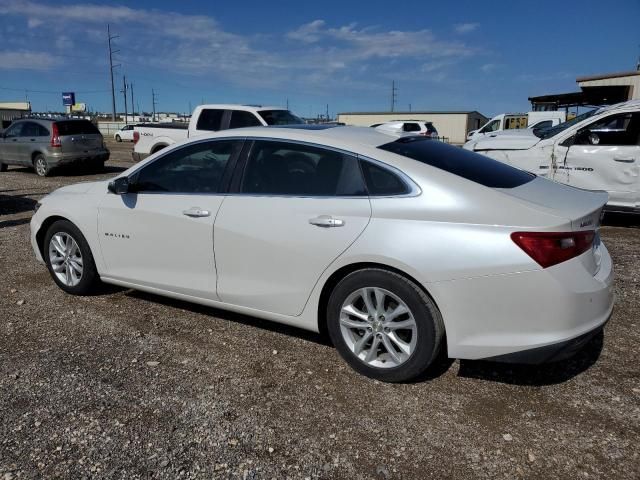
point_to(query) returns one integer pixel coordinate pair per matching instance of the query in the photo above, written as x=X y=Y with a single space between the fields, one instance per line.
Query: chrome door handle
x=326 y=221
x=196 y=212
x=624 y=159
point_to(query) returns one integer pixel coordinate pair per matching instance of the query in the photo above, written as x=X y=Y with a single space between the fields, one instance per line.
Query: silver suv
x=48 y=143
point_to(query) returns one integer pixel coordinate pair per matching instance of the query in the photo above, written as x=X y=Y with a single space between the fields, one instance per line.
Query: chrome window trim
x=414 y=189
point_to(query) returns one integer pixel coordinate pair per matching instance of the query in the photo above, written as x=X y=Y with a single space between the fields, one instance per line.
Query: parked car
x=598 y=150
x=205 y=119
x=125 y=133
x=517 y=121
x=391 y=244
x=45 y=144
x=408 y=127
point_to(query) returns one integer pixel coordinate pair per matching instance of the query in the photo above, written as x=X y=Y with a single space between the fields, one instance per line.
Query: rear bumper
x=532 y=316
x=71 y=158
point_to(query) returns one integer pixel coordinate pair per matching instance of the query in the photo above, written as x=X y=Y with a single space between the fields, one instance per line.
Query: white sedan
x=394 y=246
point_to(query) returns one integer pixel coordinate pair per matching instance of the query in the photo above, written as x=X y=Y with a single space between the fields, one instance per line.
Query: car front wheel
x=118 y=139
x=384 y=325
x=69 y=259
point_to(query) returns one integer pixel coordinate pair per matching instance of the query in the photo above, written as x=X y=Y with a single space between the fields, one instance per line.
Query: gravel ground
x=131 y=385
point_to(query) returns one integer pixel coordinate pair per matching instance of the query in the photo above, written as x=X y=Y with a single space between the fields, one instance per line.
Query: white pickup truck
x=149 y=138
x=598 y=150
x=511 y=121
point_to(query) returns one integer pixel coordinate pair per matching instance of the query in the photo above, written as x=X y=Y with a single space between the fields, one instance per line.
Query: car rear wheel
x=3 y=167
x=41 y=166
x=118 y=139
x=69 y=259
x=384 y=325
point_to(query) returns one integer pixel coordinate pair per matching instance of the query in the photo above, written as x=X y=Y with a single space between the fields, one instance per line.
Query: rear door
x=295 y=209
x=33 y=138
x=161 y=234
x=606 y=156
x=79 y=137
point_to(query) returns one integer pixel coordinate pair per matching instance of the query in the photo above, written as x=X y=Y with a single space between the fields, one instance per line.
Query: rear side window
x=381 y=182
x=280 y=117
x=210 y=119
x=411 y=127
x=240 y=118
x=282 y=168
x=77 y=127
x=460 y=162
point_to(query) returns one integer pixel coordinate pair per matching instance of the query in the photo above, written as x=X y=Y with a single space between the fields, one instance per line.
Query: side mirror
x=119 y=186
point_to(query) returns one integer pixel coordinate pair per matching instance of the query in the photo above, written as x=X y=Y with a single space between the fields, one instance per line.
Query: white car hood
x=511 y=140
x=83 y=187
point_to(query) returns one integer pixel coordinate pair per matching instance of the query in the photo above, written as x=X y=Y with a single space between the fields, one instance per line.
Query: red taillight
x=55 y=136
x=136 y=136
x=551 y=248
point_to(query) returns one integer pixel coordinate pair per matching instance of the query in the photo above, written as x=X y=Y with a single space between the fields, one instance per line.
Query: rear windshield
x=279 y=117
x=456 y=160
x=77 y=127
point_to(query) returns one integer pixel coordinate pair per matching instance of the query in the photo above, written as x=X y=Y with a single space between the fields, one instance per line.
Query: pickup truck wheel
x=3 y=167
x=118 y=139
x=41 y=166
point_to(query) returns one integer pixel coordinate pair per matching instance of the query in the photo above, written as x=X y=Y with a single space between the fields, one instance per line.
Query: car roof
x=248 y=108
x=335 y=136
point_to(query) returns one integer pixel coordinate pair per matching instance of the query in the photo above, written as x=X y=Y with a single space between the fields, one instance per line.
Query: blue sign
x=68 y=98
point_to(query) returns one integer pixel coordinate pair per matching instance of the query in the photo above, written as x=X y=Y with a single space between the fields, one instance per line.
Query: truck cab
x=518 y=121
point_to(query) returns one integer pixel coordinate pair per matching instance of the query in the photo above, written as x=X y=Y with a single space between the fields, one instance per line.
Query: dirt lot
x=131 y=385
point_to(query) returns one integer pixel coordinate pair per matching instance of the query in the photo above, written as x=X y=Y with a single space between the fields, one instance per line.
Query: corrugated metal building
x=9 y=111
x=452 y=125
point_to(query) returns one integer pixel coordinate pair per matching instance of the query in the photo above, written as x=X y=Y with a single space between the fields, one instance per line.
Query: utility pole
x=133 y=105
x=111 y=67
x=124 y=92
x=394 y=95
x=153 y=103
x=327 y=112
x=409 y=107
x=287 y=104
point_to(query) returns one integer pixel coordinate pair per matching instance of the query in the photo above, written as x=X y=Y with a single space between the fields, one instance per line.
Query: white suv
x=410 y=127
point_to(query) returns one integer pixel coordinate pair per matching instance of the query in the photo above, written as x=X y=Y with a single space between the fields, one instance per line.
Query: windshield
x=279 y=117
x=553 y=131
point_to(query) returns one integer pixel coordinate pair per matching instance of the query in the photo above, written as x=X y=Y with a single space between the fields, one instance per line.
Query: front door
x=296 y=209
x=606 y=156
x=160 y=234
x=11 y=143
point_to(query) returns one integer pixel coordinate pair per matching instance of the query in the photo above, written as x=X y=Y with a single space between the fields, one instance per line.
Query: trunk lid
x=582 y=209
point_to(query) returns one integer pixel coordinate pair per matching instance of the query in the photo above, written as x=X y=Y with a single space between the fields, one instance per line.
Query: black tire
x=3 y=167
x=90 y=279
x=41 y=166
x=118 y=139
x=429 y=325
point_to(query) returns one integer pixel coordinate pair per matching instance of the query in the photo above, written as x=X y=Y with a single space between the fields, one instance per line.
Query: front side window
x=491 y=127
x=195 y=168
x=210 y=119
x=622 y=129
x=282 y=168
x=14 y=130
x=240 y=118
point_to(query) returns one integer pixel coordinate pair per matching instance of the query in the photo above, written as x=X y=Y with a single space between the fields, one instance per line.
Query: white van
x=516 y=121
x=598 y=150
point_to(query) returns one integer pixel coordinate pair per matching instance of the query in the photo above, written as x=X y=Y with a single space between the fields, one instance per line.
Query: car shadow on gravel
x=234 y=317
x=535 y=375
x=12 y=204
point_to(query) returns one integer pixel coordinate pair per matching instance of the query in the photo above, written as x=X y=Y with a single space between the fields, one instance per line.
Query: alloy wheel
x=378 y=327
x=41 y=166
x=65 y=258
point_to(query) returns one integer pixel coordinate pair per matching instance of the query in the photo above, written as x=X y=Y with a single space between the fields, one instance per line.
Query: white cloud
x=64 y=43
x=34 y=22
x=27 y=60
x=488 y=67
x=463 y=28
x=308 y=33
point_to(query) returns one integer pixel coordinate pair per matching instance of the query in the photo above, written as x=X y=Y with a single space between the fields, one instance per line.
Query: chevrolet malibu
x=397 y=247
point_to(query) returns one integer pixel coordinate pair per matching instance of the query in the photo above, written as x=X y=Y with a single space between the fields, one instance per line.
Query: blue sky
x=485 y=56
